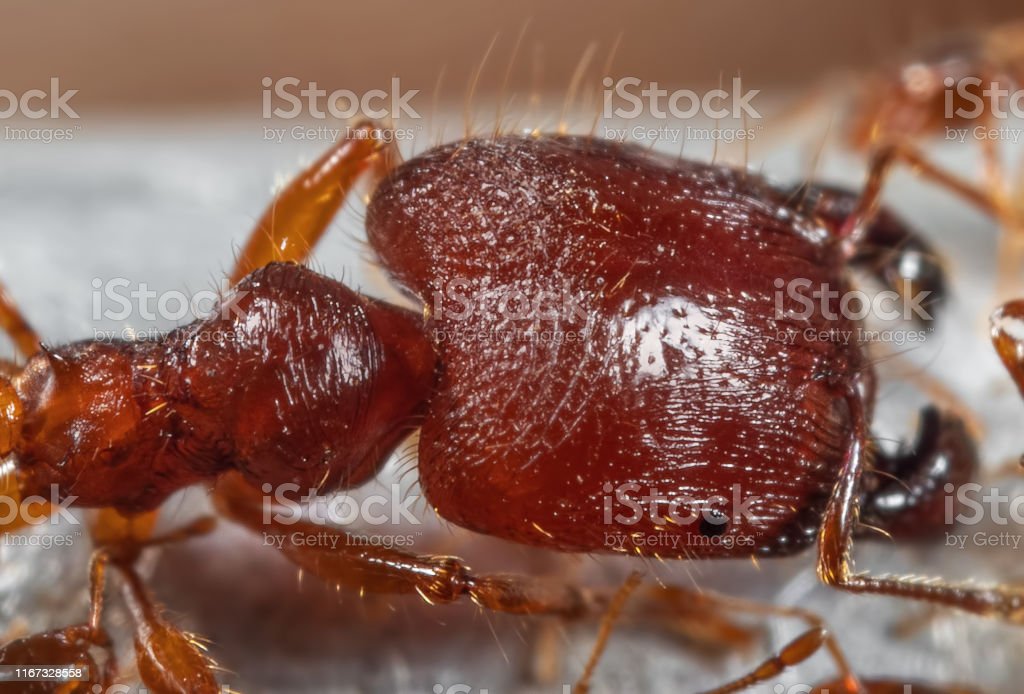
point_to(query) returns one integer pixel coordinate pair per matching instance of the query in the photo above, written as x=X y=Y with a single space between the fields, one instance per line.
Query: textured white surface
x=167 y=204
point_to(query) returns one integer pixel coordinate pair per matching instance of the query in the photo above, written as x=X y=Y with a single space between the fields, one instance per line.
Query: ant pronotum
x=684 y=378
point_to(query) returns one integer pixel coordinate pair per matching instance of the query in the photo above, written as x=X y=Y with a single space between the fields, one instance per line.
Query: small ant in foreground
x=692 y=376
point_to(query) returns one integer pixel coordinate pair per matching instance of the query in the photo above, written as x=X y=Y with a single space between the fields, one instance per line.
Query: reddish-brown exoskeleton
x=645 y=344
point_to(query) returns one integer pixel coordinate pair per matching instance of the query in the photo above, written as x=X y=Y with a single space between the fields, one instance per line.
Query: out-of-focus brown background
x=140 y=56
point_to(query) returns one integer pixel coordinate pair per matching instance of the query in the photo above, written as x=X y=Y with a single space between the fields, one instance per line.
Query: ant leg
x=796 y=651
x=13 y=322
x=835 y=545
x=996 y=203
x=1008 y=338
x=436 y=579
x=167 y=658
x=611 y=615
x=443 y=579
x=808 y=643
x=882 y=161
x=71 y=646
x=302 y=211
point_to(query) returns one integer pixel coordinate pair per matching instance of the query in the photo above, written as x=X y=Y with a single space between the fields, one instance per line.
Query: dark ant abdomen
x=296 y=380
x=607 y=323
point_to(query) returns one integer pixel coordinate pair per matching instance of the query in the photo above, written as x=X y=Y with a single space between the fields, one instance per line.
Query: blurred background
x=194 y=56
x=169 y=147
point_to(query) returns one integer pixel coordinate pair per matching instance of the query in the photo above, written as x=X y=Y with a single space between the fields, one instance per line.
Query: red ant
x=942 y=84
x=686 y=380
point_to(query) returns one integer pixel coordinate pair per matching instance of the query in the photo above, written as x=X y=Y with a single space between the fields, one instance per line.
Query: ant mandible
x=692 y=376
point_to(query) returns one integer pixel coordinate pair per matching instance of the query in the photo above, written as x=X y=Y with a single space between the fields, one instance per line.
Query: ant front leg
x=300 y=214
x=835 y=544
x=168 y=659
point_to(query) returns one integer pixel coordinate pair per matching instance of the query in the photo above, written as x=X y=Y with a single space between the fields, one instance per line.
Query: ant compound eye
x=10 y=417
x=713 y=522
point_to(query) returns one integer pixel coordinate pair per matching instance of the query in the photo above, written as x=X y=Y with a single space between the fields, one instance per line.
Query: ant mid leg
x=444 y=579
x=300 y=214
x=835 y=545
